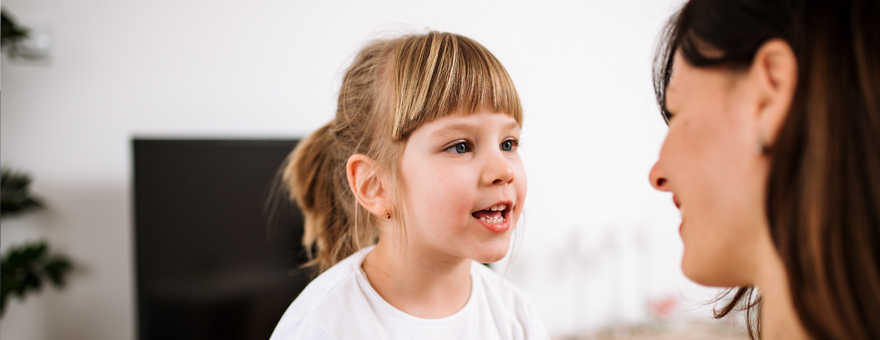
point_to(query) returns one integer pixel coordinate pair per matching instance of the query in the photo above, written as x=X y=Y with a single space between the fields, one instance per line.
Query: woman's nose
x=658 y=178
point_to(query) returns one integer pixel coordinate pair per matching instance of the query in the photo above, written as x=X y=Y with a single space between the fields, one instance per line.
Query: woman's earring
x=762 y=147
x=387 y=215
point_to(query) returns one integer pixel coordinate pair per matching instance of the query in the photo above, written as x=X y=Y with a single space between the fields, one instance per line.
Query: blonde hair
x=391 y=88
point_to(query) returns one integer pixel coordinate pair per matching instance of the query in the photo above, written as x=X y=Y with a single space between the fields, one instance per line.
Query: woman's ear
x=774 y=70
x=367 y=184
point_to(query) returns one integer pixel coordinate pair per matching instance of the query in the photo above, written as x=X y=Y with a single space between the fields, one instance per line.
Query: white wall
x=272 y=68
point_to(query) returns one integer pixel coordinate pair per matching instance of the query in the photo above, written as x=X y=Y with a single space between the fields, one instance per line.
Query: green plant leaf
x=15 y=196
x=26 y=266
x=11 y=31
x=56 y=268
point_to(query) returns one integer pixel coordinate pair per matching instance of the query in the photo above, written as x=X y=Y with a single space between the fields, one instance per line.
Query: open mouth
x=495 y=214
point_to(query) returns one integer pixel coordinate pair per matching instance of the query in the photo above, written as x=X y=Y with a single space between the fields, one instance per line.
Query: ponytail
x=315 y=178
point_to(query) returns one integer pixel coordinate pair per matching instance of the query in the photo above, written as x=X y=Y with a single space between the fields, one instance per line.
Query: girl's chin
x=492 y=252
x=490 y=259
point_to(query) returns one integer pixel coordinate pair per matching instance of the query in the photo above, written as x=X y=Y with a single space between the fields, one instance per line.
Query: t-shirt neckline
x=364 y=282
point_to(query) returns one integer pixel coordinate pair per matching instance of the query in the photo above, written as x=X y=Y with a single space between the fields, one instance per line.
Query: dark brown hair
x=823 y=191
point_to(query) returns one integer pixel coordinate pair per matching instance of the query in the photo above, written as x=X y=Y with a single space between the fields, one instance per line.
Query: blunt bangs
x=439 y=74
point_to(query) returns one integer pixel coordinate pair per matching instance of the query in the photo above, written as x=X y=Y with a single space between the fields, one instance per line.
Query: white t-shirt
x=341 y=304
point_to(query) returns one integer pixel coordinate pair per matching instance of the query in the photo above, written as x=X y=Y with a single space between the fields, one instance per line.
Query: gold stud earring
x=387 y=215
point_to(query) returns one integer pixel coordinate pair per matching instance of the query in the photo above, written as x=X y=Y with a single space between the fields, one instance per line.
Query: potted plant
x=25 y=266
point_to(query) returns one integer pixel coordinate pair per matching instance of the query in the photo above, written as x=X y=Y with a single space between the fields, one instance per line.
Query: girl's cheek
x=448 y=194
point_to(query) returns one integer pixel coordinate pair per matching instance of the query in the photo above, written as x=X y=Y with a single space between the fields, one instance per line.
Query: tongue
x=487 y=214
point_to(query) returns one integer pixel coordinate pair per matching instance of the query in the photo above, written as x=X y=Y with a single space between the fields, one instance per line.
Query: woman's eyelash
x=668 y=116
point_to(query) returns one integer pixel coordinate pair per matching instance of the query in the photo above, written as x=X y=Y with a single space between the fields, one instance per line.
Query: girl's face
x=711 y=163
x=465 y=185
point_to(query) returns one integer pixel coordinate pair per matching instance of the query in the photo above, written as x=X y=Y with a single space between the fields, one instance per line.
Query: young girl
x=415 y=181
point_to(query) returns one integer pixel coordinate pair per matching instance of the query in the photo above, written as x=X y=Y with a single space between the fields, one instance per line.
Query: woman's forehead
x=676 y=82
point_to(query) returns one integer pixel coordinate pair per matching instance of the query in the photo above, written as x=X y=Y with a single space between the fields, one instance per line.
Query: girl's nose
x=658 y=178
x=498 y=171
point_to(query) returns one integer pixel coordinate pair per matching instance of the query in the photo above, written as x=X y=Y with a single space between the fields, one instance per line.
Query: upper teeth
x=498 y=207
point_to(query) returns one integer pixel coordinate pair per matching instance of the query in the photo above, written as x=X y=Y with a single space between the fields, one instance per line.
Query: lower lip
x=497 y=228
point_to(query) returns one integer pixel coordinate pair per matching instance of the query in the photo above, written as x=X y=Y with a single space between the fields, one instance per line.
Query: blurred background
x=598 y=250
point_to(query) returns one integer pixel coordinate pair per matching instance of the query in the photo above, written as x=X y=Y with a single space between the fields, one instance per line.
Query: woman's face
x=711 y=163
x=465 y=186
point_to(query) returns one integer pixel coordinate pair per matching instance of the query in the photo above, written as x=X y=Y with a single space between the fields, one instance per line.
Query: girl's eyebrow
x=453 y=129
x=456 y=128
x=513 y=126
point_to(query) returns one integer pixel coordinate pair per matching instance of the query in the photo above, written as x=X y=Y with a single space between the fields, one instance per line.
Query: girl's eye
x=509 y=145
x=459 y=148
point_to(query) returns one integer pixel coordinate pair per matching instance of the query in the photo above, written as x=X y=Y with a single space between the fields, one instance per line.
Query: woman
x=773 y=158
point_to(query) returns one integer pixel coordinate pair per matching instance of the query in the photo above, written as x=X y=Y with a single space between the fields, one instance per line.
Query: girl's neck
x=419 y=282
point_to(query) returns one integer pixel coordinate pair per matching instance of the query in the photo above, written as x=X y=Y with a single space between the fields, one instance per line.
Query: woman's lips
x=681 y=210
x=680 y=226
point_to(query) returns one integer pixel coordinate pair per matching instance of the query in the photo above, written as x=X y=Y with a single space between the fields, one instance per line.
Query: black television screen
x=209 y=263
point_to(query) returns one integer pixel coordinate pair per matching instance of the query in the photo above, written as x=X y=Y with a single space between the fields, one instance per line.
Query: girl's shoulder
x=340 y=278
x=333 y=290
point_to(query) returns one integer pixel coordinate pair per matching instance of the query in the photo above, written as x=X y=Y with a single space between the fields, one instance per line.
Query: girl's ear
x=774 y=70
x=367 y=184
